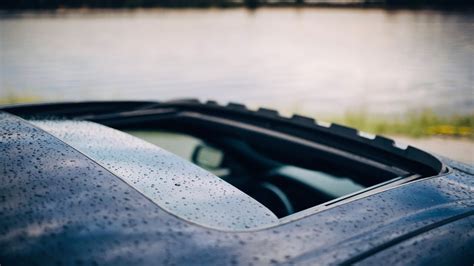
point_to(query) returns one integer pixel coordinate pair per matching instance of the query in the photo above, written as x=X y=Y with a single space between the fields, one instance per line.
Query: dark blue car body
x=57 y=206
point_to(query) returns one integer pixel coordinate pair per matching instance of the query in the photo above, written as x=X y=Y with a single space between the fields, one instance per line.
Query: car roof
x=176 y=185
x=57 y=204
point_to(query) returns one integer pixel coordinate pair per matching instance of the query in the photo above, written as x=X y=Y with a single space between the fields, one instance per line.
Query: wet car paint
x=58 y=206
x=174 y=184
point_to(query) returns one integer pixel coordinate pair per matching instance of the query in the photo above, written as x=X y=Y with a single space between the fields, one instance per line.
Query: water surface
x=305 y=60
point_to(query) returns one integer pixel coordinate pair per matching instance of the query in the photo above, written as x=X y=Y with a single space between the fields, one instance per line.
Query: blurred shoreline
x=9 y=6
x=6 y=13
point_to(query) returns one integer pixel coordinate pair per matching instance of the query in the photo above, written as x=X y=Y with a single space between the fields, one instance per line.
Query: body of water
x=314 y=60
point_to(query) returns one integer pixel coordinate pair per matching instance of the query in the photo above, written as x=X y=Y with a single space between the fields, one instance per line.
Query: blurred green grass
x=14 y=98
x=415 y=124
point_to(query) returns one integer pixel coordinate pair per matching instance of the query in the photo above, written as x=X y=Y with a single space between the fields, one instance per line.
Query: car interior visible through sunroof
x=283 y=188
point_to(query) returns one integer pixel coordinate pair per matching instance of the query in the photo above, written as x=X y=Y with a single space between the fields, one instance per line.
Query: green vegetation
x=13 y=98
x=414 y=124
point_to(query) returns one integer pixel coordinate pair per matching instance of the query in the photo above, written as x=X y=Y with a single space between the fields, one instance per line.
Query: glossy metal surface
x=58 y=206
x=173 y=183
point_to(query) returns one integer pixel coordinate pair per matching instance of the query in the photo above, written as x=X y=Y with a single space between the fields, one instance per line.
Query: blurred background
x=396 y=67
